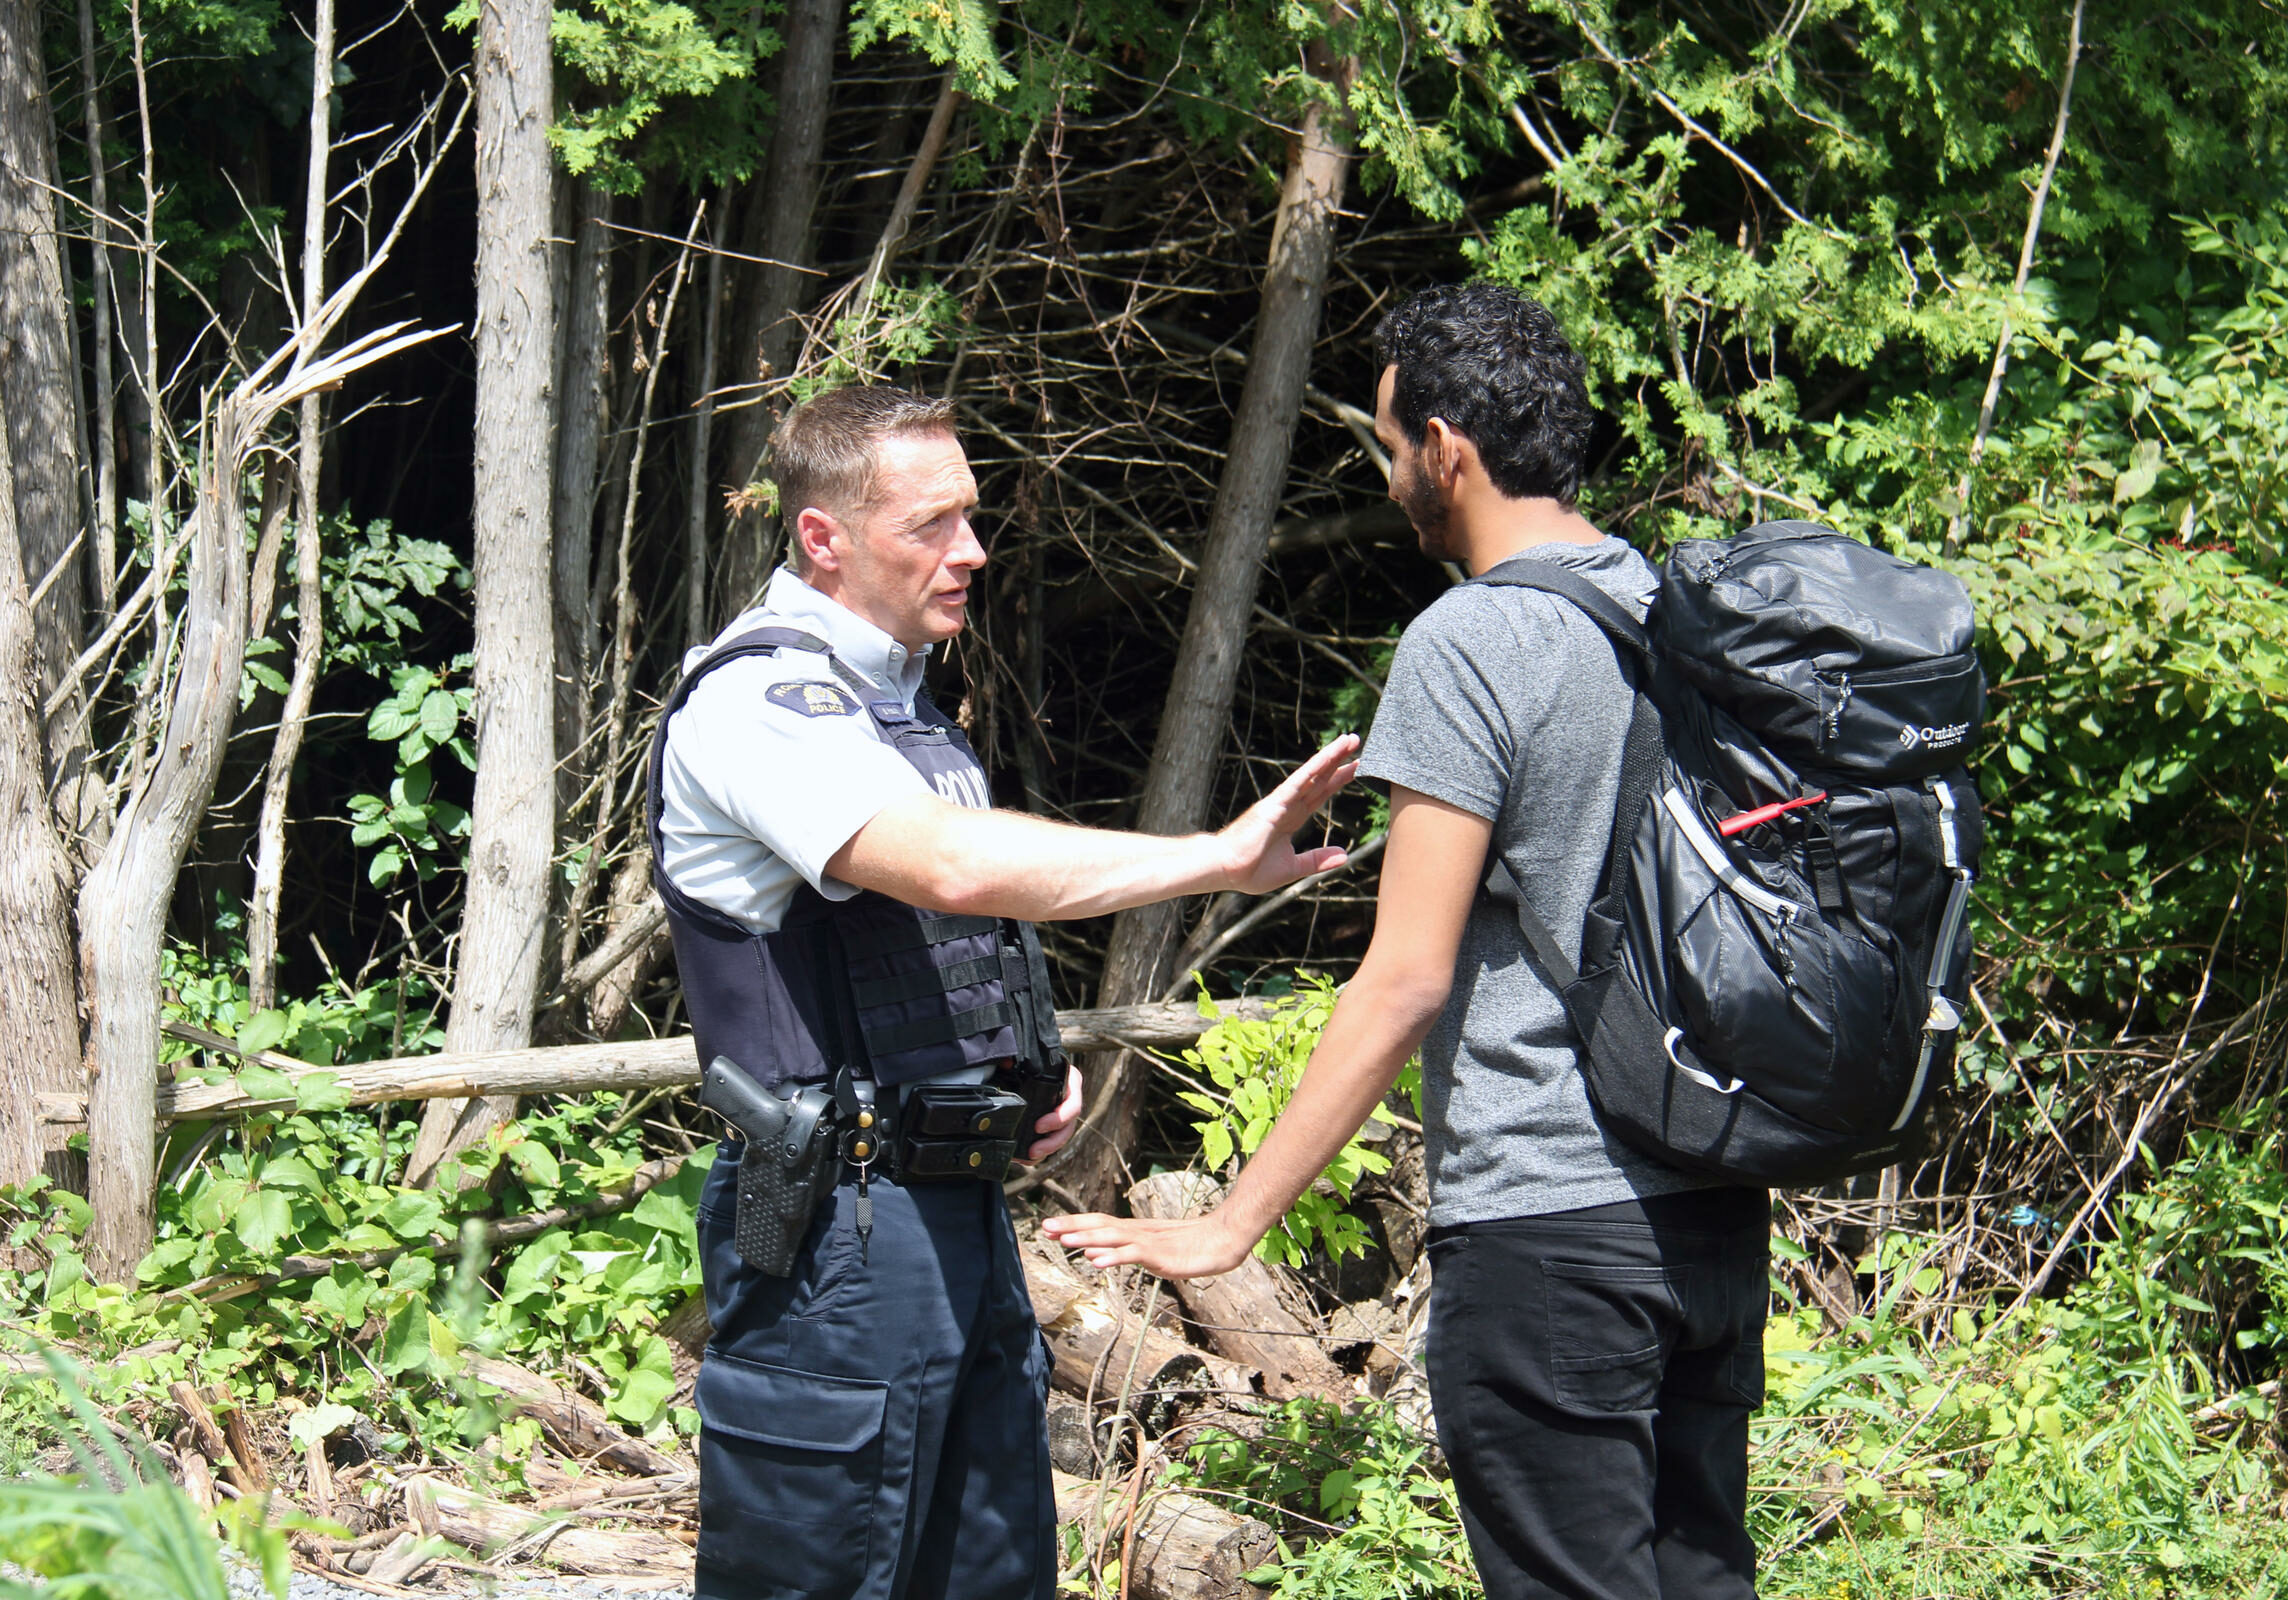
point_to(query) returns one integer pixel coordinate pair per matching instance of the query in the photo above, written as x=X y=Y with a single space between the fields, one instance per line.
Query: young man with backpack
x=1597 y=1315
x=1673 y=909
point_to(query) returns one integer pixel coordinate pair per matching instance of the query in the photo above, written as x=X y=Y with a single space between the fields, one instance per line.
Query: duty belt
x=929 y=1132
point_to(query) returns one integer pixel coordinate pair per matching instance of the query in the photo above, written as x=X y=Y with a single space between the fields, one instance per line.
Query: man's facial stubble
x=1418 y=494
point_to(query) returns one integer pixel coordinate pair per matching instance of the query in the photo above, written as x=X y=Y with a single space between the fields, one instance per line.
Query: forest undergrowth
x=1946 y=1434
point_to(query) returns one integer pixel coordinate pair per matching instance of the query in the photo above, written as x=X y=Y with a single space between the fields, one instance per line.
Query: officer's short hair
x=823 y=451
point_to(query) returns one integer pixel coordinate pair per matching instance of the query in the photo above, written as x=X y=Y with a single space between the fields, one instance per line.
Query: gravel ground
x=246 y=1584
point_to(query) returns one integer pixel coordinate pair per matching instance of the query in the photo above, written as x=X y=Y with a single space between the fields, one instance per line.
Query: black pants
x=1593 y=1373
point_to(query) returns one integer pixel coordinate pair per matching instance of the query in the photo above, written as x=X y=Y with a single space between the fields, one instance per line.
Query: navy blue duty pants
x=1592 y=1373
x=874 y=1428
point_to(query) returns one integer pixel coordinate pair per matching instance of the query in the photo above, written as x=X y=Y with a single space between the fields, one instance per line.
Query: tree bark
x=35 y=359
x=778 y=228
x=1106 y=1354
x=1195 y=720
x=106 y=522
x=579 y=1068
x=39 y=1020
x=697 y=512
x=1176 y=1546
x=123 y=903
x=309 y=623
x=496 y=978
x=583 y=396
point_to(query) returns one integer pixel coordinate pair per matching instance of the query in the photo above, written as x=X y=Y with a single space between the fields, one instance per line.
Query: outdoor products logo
x=1914 y=738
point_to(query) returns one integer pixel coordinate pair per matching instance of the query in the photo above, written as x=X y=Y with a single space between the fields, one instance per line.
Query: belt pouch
x=780 y=1182
x=959 y=1111
x=942 y=1160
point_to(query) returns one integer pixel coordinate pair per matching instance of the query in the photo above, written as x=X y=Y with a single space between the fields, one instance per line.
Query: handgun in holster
x=790 y=1160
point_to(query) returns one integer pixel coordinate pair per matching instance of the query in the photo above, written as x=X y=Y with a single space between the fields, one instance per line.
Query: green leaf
x=261 y=1220
x=440 y=715
x=343 y=1292
x=641 y=1399
x=321 y=1091
x=390 y=720
x=258 y=1082
x=263 y=1030
x=413 y=1214
x=290 y=1172
x=405 y=1341
x=319 y=1422
x=535 y=1164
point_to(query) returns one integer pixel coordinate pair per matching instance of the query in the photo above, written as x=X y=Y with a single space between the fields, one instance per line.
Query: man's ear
x=814 y=532
x=1441 y=453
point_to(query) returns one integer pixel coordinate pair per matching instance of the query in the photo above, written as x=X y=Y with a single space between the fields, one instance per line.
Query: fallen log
x=492 y=1527
x=1184 y=1547
x=573 y=1424
x=1242 y=1313
x=576 y=1068
x=1096 y=1344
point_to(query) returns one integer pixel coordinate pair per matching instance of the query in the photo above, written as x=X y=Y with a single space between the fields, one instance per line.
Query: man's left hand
x=1197 y=1247
x=1057 y=1126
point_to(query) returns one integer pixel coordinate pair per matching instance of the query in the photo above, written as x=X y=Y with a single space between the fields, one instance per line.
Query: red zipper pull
x=1741 y=822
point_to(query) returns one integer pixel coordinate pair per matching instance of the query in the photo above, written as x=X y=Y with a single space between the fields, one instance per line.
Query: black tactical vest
x=892 y=991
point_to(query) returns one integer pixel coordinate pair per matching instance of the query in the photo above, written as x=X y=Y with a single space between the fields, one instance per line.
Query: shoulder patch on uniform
x=813 y=699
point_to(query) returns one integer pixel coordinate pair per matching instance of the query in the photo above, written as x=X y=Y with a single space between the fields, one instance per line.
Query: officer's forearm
x=930 y=852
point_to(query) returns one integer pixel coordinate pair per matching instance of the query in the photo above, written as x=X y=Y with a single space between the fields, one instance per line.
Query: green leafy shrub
x=1243 y=1073
x=1360 y=1511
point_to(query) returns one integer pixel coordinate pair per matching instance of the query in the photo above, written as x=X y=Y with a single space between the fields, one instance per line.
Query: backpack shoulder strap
x=1641 y=756
x=1526 y=572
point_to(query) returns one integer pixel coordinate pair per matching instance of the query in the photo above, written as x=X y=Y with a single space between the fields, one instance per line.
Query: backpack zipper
x=1834 y=726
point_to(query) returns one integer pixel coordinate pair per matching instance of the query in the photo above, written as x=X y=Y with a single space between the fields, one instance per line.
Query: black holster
x=791 y=1159
x=778 y=1195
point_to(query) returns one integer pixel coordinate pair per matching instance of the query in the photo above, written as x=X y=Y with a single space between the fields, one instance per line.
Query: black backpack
x=1773 y=968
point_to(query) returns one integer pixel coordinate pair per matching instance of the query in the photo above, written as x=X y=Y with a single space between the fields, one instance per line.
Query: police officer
x=852 y=923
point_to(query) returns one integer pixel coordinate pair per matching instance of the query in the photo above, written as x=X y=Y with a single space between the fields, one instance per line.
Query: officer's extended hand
x=1197 y=1247
x=1262 y=838
x=1057 y=1126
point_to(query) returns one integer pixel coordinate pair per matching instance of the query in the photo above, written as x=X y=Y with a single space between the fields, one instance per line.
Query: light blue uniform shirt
x=773 y=764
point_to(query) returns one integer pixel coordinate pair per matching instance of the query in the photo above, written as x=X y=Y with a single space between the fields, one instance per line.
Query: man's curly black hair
x=1496 y=366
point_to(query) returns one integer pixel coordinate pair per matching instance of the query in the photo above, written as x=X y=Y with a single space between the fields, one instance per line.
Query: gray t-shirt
x=1510 y=704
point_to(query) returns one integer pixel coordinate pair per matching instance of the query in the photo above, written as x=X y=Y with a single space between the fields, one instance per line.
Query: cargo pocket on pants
x=790 y=1464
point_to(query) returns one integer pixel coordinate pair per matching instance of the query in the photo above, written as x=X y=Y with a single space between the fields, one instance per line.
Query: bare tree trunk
x=123 y=903
x=583 y=395
x=695 y=629
x=613 y=763
x=1195 y=720
x=496 y=977
x=309 y=622
x=778 y=228
x=35 y=354
x=106 y=523
x=39 y=1019
x=613 y=999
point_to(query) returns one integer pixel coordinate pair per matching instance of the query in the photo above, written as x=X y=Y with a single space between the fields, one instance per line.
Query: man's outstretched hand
x=1197 y=1247
x=1261 y=839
